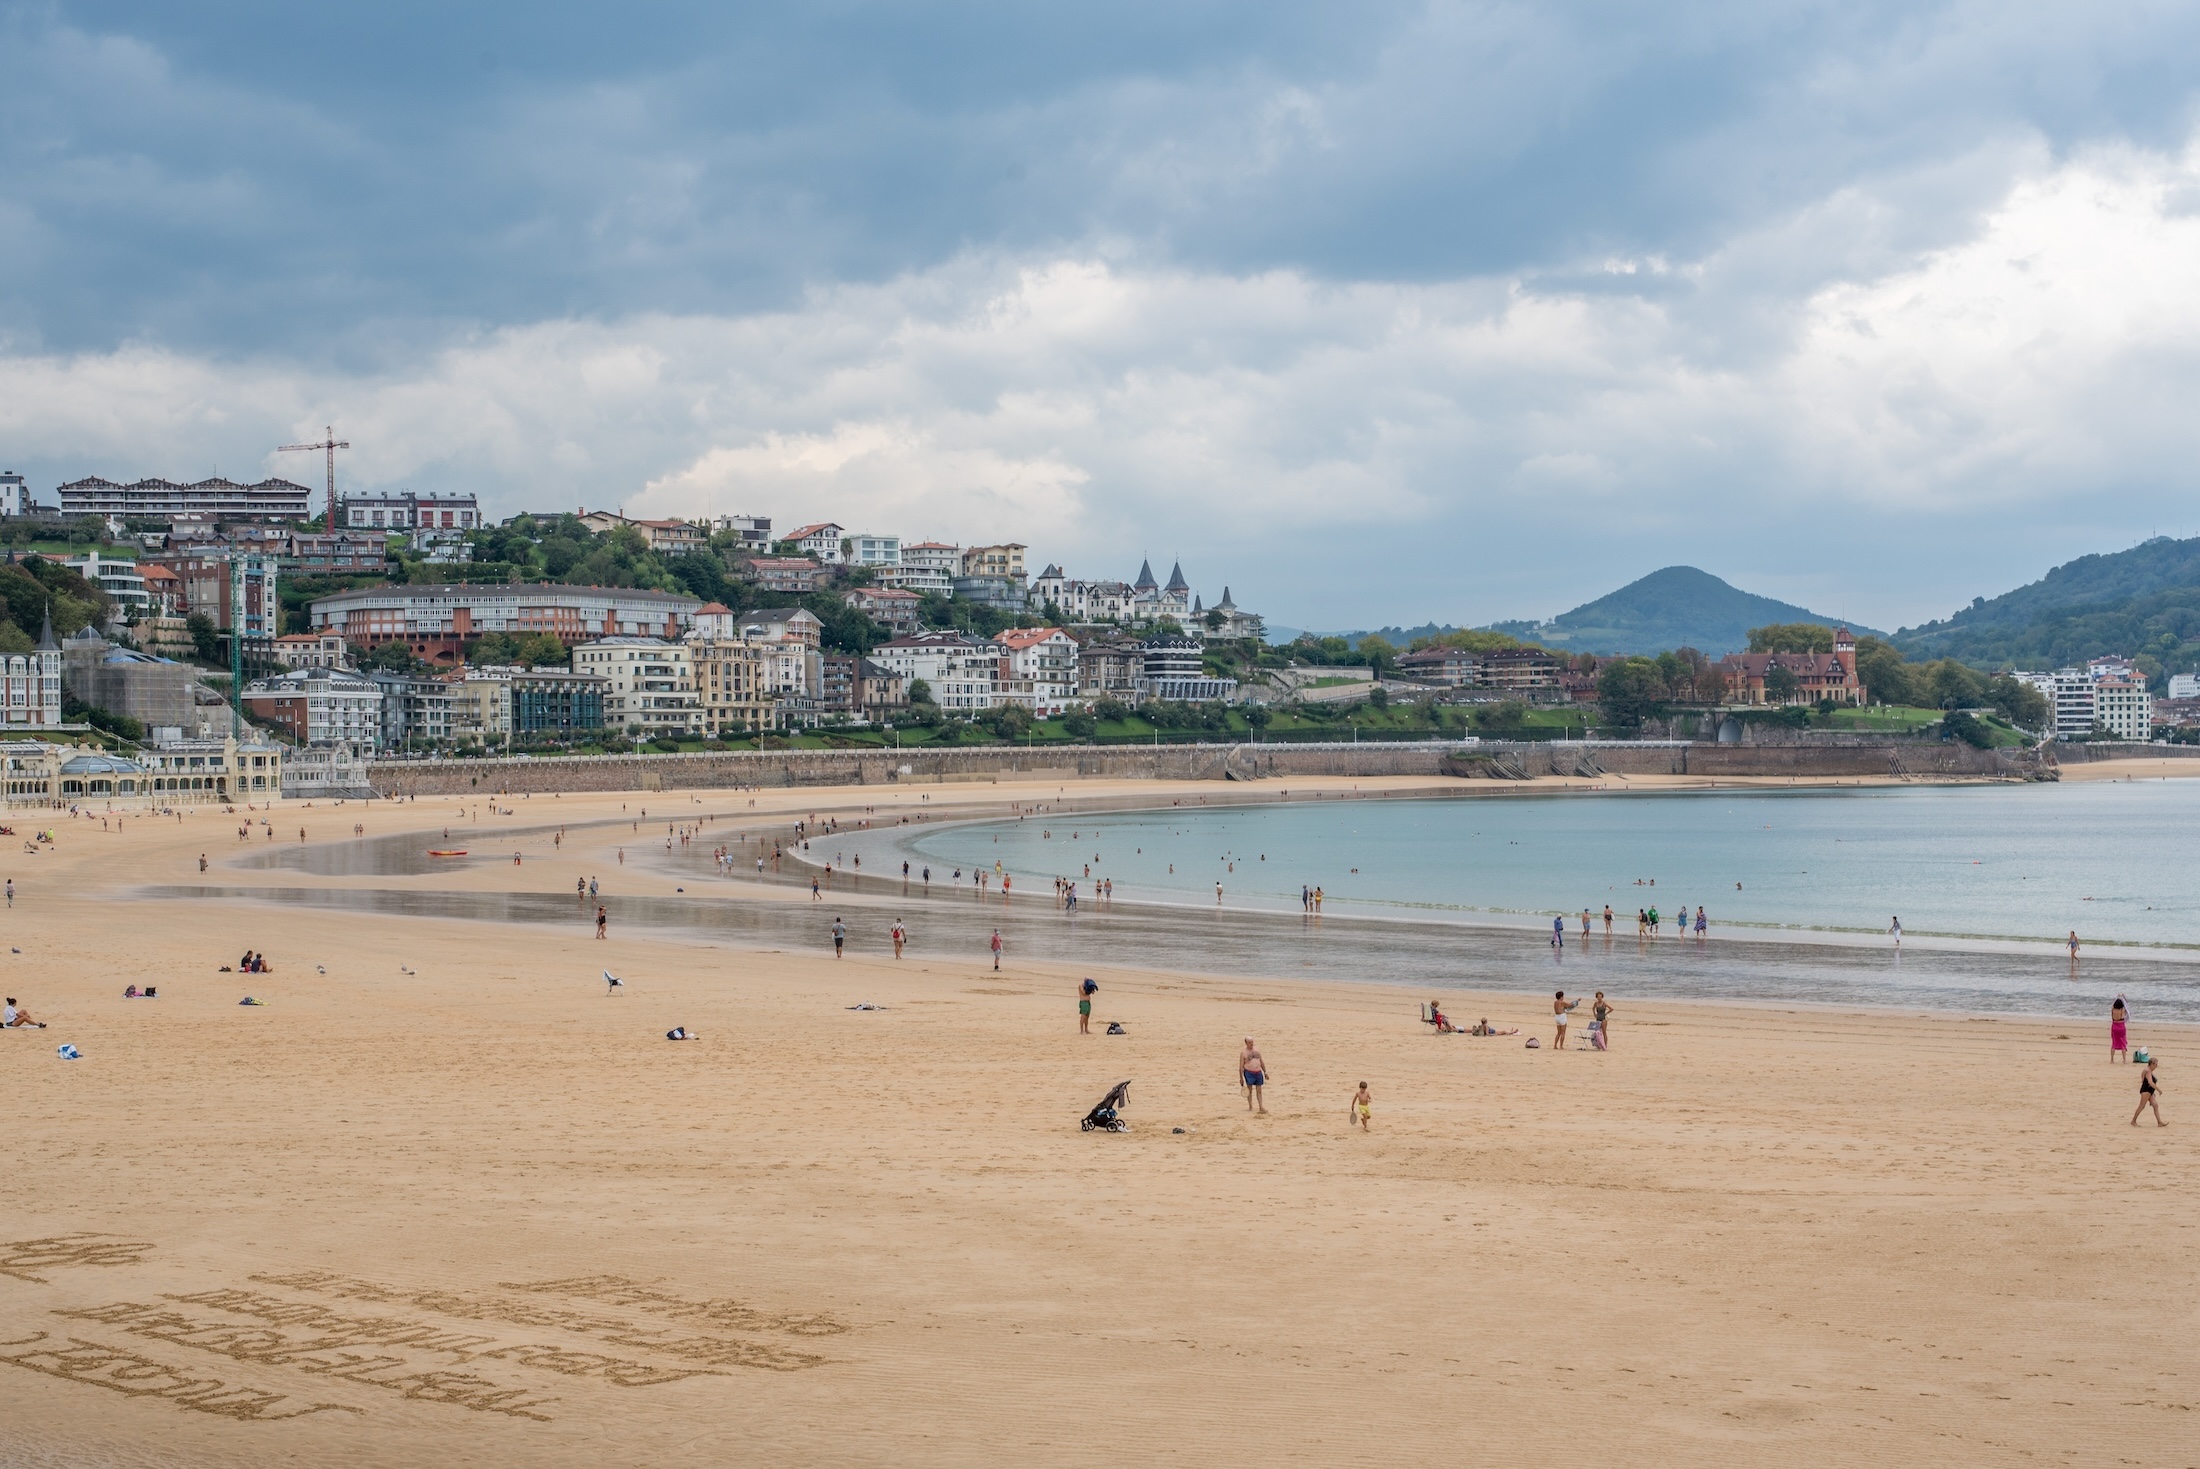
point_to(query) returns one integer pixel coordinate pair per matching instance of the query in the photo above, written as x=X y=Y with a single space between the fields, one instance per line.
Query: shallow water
x=2019 y=863
x=1440 y=956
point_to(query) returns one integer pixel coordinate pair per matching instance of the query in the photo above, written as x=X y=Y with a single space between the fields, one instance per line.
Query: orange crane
x=331 y=444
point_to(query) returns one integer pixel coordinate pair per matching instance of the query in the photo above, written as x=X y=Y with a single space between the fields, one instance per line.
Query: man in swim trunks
x=1085 y=989
x=1253 y=1073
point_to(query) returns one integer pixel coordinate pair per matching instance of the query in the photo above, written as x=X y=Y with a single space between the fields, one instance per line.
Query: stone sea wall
x=1490 y=762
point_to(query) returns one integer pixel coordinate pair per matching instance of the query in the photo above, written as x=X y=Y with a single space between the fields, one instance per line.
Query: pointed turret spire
x=1145 y=582
x=1225 y=605
x=46 y=644
x=1196 y=608
x=1177 y=583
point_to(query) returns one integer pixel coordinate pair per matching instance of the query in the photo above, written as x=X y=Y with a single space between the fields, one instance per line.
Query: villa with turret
x=1817 y=676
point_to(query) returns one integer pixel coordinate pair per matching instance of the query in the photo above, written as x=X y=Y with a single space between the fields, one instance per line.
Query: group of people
x=253 y=963
x=2119 y=1049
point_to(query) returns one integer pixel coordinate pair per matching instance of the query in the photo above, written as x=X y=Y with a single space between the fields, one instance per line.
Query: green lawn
x=1883 y=719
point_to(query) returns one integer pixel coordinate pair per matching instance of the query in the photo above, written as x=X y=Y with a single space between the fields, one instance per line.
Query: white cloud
x=1337 y=452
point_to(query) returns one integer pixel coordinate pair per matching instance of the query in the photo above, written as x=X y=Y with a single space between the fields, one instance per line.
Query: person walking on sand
x=996 y=946
x=2150 y=1095
x=602 y=919
x=1363 y=1107
x=1560 y=1010
x=1253 y=1073
x=900 y=936
x=11 y=881
x=2119 y=1039
x=1085 y=990
x=840 y=937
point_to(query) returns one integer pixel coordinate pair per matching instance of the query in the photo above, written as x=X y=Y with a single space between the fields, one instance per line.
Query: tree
x=1009 y=721
x=1259 y=716
x=1507 y=714
x=1379 y=697
x=1378 y=653
x=920 y=692
x=1080 y=723
x=391 y=657
x=1630 y=691
x=1965 y=727
x=2025 y=706
x=1884 y=673
x=206 y=639
x=1781 y=684
x=1791 y=637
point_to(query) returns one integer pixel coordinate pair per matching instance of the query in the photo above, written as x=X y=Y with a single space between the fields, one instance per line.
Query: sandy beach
x=443 y=1199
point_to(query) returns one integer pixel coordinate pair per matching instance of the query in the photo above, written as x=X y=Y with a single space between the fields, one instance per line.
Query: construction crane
x=331 y=444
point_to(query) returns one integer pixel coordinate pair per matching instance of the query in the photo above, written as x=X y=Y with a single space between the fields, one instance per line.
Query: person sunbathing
x=1441 y=1021
x=1483 y=1027
x=16 y=1017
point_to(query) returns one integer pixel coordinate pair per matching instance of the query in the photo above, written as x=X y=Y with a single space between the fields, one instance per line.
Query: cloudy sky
x=1378 y=312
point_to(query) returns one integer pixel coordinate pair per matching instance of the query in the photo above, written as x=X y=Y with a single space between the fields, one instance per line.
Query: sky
x=1379 y=313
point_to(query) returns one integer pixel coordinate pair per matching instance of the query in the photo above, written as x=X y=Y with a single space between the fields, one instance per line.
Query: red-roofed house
x=1817 y=675
x=821 y=542
x=893 y=609
x=1040 y=669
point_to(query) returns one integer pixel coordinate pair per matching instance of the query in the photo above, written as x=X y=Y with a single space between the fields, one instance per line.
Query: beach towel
x=68 y=1053
x=248 y=1000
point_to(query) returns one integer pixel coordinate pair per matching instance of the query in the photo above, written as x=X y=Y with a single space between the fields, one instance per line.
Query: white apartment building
x=2184 y=686
x=1039 y=670
x=320 y=706
x=2107 y=694
x=118 y=579
x=754 y=531
x=867 y=549
x=649 y=684
x=2123 y=707
x=926 y=567
x=963 y=672
x=14 y=495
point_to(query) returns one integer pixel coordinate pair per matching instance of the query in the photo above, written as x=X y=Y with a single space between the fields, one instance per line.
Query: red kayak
x=447 y=852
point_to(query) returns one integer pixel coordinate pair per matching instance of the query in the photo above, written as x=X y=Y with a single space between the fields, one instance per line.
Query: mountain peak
x=1672 y=607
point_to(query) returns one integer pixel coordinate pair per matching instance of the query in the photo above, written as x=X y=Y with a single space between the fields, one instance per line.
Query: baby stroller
x=1102 y=1117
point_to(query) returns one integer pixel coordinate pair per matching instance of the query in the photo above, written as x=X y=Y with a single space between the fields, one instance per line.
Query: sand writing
x=709 y=1351
x=20 y=1258
x=617 y=1290
x=320 y=1357
x=126 y=1372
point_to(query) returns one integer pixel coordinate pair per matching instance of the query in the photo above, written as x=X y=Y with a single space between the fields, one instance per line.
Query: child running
x=1363 y=1107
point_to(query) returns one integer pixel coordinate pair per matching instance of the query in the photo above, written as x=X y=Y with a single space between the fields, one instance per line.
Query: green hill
x=1674 y=608
x=2144 y=603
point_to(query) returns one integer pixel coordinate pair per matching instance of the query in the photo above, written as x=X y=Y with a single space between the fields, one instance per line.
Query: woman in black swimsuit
x=2150 y=1095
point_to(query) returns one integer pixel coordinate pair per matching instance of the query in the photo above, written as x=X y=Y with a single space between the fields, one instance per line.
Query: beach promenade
x=443 y=1198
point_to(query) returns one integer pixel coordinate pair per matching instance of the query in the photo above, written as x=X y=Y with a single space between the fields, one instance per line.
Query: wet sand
x=483 y=1212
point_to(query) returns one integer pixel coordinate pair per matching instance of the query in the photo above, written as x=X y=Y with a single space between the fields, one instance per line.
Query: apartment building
x=962 y=672
x=782 y=624
x=753 y=531
x=31 y=683
x=311 y=650
x=891 y=608
x=867 y=548
x=649 y=684
x=119 y=579
x=731 y=685
x=319 y=706
x=1174 y=669
x=556 y=701
x=785 y=576
x=1528 y=670
x=2123 y=707
x=1081 y=602
x=434 y=517
x=1039 y=670
x=1450 y=667
x=416 y=709
x=160 y=499
x=435 y=622
x=927 y=568
x=1110 y=670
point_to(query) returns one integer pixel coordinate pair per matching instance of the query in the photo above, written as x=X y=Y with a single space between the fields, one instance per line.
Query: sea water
x=2114 y=861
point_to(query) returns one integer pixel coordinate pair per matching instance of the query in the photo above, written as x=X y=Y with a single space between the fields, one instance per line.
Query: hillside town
x=392 y=625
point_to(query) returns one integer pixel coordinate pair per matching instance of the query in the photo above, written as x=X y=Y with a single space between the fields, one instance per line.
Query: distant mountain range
x=1674 y=608
x=2143 y=602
